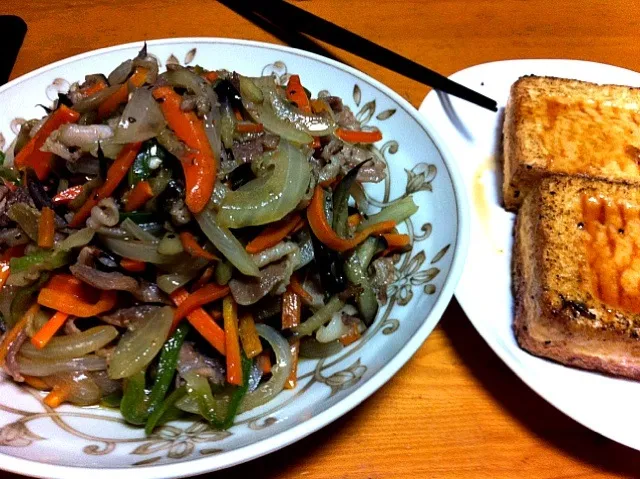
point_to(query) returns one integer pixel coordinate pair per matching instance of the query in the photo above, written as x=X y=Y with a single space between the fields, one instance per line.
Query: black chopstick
x=290 y=37
x=13 y=30
x=292 y=18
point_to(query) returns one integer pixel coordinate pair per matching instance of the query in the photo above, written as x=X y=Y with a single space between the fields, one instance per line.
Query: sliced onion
x=80 y=388
x=279 y=371
x=66 y=347
x=226 y=243
x=121 y=73
x=93 y=101
x=263 y=201
x=312 y=349
x=172 y=281
x=80 y=238
x=305 y=255
x=265 y=392
x=206 y=99
x=82 y=136
x=136 y=250
x=170 y=142
x=280 y=116
x=170 y=244
x=336 y=328
x=39 y=367
x=141 y=119
x=322 y=316
x=138 y=231
x=140 y=344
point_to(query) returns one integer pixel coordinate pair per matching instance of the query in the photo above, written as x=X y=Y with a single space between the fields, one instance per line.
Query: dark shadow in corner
x=528 y=408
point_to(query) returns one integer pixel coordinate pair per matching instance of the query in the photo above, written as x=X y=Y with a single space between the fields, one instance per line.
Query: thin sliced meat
x=103 y=280
x=11 y=363
x=191 y=360
x=122 y=318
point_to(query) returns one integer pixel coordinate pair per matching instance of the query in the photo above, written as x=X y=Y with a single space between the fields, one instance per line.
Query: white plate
x=484 y=292
x=78 y=443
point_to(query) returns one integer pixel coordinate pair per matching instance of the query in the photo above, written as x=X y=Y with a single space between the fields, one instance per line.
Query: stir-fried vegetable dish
x=172 y=243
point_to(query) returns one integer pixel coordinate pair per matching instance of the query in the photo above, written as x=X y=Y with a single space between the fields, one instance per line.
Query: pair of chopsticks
x=292 y=25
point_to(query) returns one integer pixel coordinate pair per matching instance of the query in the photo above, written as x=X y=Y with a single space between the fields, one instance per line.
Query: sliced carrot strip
x=354 y=220
x=68 y=195
x=133 y=265
x=46 y=228
x=199 y=165
x=297 y=288
x=69 y=304
x=234 y=358
x=36 y=382
x=249 y=336
x=13 y=333
x=207 y=274
x=247 y=127
x=273 y=234
x=57 y=396
x=291 y=309
x=263 y=361
x=207 y=294
x=109 y=106
x=359 y=136
x=202 y=322
x=5 y=271
x=323 y=231
x=30 y=155
x=292 y=380
x=117 y=171
x=352 y=336
x=211 y=76
x=296 y=94
x=140 y=194
x=94 y=88
x=192 y=247
x=50 y=328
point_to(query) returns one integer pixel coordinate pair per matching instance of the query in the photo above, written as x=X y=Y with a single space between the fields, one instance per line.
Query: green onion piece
x=366 y=300
x=222 y=272
x=397 y=211
x=322 y=316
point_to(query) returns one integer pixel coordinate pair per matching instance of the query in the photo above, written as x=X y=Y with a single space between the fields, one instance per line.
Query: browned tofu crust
x=576 y=272
x=569 y=127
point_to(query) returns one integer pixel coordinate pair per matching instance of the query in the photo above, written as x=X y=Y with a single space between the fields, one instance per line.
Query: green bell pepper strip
x=163 y=409
x=167 y=367
x=340 y=201
x=366 y=300
x=24 y=299
x=41 y=260
x=134 y=404
x=220 y=410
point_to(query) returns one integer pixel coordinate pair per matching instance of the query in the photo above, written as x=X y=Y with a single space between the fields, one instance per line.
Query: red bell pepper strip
x=30 y=156
x=199 y=164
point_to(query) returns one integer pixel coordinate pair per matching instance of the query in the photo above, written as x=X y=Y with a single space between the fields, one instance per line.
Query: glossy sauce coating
x=612 y=245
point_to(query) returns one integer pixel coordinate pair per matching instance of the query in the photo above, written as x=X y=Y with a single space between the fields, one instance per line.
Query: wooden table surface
x=454 y=411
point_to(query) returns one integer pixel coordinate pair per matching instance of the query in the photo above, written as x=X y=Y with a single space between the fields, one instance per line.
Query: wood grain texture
x=454 y=411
